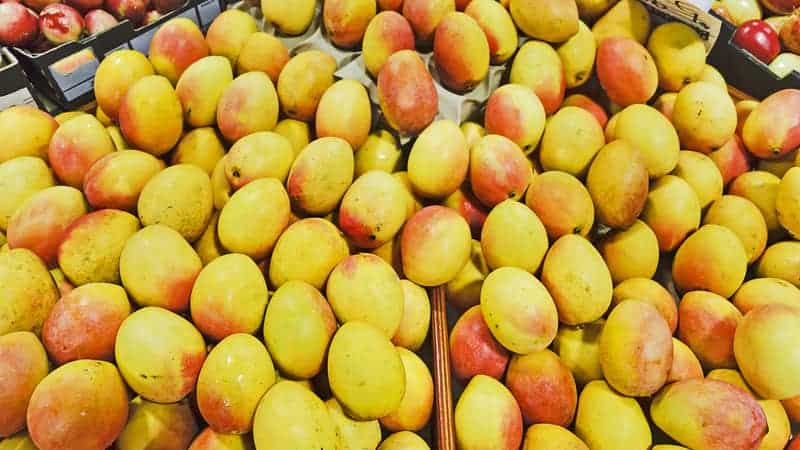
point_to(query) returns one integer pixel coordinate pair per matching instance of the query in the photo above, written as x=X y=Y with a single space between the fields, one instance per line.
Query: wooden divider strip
x=443 y=395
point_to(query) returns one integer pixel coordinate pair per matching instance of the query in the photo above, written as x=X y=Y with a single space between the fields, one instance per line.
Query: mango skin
x=742 y=217
x=544 y=436
x=763 y=291
x=435 y=245
x=679 y=54
x=657 y=141
x=732 y=159
x=712 y=259
x=30 y=292
x=461 y=52
x=200 y=87
x=264 y=52
x=415 y=323
x=264 y=154
x=20 y=178
x=544 y=388
x=228 y=32
x=672 y=211
x=538 y=66
x=761 y=188
x=29 y=131
x=626 y=71
x=75 y=146
x=347 y=20
x=291 y=416
x=404 y=440
x=702 y=175
x=498 y=26
x=571 y=140
x=631 y=253
x=171 y=60
x=685 y=364
x=440 y=149
x=768 y=131
x=320 y=175
x=578 y=56
x=579 y=349
x=704 y=117
x=649 y=291
x=473 y=349
x=600 y=409
x=707 y=324
x=132 y=168
x=21 y=354
x=352 y=125
x=515 y=111
x=416 y=406
x=353 y=433
x=780 y=261
x=171 y=425
x=498 y=170
x=487 y=416
x=787 y=206
x=619 y=198
x=289 y=17
x=249 y=104
x=151 y=115
x=406 y=93
x=425 y=16
x=201 y=147
x=562 y=203
x=709 y=414
x=293 y=259
x=627 y=18
x=302 y=82
x=387 y=33
x=553 y=21
x=117 y=72
x=373 y=209
x=19 y=441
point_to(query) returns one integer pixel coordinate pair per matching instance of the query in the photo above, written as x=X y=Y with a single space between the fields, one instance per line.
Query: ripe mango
x=761 y=188
x=571 y=139
x=545 y=436
x=787 y=201
x=414 y=325
x=538 y=66
x=672 y=211
x=425 y=15
x=19 y=441
x=416 y=406
x=296 y=131
x=170 y=60
x=551 y=21
x=702 y=175
x=263 y=154
x=320 y=175
x=179 y=197
x=228 y=32
x=704 y=117
x=290 y=17
x=291 y=416
x=679 y=54
x=117 y=72
x=352 y=123
x=22 y=355
x=562 y=203
x=514 y=236
x=582 y=101
x=732 y=159
x=379 y=152
x=648 y=291
x=151 y=116
x=685 y=364
x=707 y=323
x=353 y=433
x=498 y=170
x=387 y=33
x=438 y=161
x=627 y=18
x=544 y=388
x=607 y=420
x=116 y=180
x=779 y=430
x=404 y=440
x=20 y=178
x=473 y=349
x=780 y=260
x=769 y=132
x=461 y=52
x=347 y=20
x=406 y=93
x=293 y=259
x=373 y=209
x=763 y=291
x=172 y=425
x=302 y=82
x=487 y=416
x=579 y=349
x=577 y=56
x=498 y=26
x=626 y=71
x=201 y=147
x=618 y=184
x=713 y=259
x=200 y=87
x=75 y=146
x=263 y=52
x=631 y=253
x=29 y=292
x=249 y=104
x=741 y=216
x=28 y=131
x=515 y=111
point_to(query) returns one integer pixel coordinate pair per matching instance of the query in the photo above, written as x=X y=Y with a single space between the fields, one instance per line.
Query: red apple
x=165 y=6
x=758 y=38
x=60 y=23
x=18 y=25
x=133 y=10
x=85 y=5
x=98 y=20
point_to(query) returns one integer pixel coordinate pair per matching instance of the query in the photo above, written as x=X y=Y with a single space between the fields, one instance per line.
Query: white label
x=20 y=97
x=209 y=10
x=686 y=11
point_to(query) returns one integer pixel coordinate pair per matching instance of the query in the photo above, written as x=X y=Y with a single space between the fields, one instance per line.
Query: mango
x=659 y=145
x=117 y=180
x=562 y=203
x=497 y=24
x=779 y=430
x=379 y=152
x=685 y=364
x=23 y=364
x=263 y=154
x=712 y=259
x=648 y=291
x=40 y=223
x=571 y=139
x=170 y=60
x=320 y=175
x=473 y=131
x=743 y=218
x=578 y=56
x=665 y=103
x=515 y=111
x=413 y=202
x=769 y=132
x=707 y=323
x=544 y=388
x=29 y=292
x=552 y=21
x=627 y=18
x=415 y=323
x=352 y=434
x=579 y=349
x=487 y=416
x=416 y=406
x=440 y=149
x=582 y=101
x=538 y=66
x=600 y=410
x=20 y=178
x=679 y=54
x=672 y=211
x=731 y=159
x=387 y=33
x=302 y=82
x=263 y=52
x=704 y=117
x=791 y=406
x=764 y=291
x=619 y=198
x=761 y=188
x=289 y=17
x=351 y=124
x=179 y=197
x=473 y=349
x=19 y=441
x=631 y=253
x=117 y=138
x=731 y=376
x=347 y=20
x=75 y=146
x=464 y=290
x=82 y=403
x=66 y=116
x=780 y=260
x=513 y=236
x=406 y=93
x=373 y=209
x=425 y=15
x=228 y=32
x=103 y=117
x=404 y=440
x=591 y=10
x=787 y=201
x=291 y=416
x=91 y=247
x=461 y=52
x=249 y=104
x=626 y=71
x=525 y=321
x=293 y=259
x=221 y=188
x=498 y=170
x=117 y=72
x=151 y=116
x=709 y=414
x=200 y=87
x=545 y=436
x=149 y=424
x=702 y=175
x=201 y=147
x=296 y=131
x=712 y=75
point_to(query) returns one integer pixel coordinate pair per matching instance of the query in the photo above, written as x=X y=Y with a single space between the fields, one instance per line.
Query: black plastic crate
x=15 y=88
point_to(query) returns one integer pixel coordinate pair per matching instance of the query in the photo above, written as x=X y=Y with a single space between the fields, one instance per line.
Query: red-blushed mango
x=630 y=253
x=498 y=170
x=116 y=180
x=472 y=132
x=578 y=279
x=764 y=291
x=702 y=175
x=347 y=20
x=770 y=130
x=743 y=110
x=473 y=349
x=636 y=349
x=518 y=310
x=263 y=154
x=254 y=218
x=228 y=33
x=551 y=20
x=577 y=55
x=413 y=202
x=416 y=406
x=298 y=326
x=435 y=245
x=175 y=46
x=159 y=353
x=513 y=236
x=201 y=147
x=571 y=140
x=292 y=416
x=731 y=159
x=787 y=202
x=352 y=123
x=497 y=24
x=544 y=388
x=627 y=18
x=439 y=160
x=302 y=82
x=228 y=297
x=626 y=71
x=487 y=416
x=28 y=131
x=425 y=15
x=169 y=426
x=83 y=324
x=685 y=365
x=703 y=116
x=20 y=178
x=707 y=323
x=651 y=133
x=234 y=377
x=82 y=404
x=353 y=433
x=538 y=66
x=158 y=268
x=470 y=208
x=75 y=146
x=709 y=414
x=711 y=259
x=92 y=245
x=209 y=439
x=665 y=104
x=464 y=290
x=387 y=33
x=294 y=259
x=380 y=151
x=761 y=188
x=290 y=17
x=28 y=290
x=672 y=211
x=765 y=349
x=263 y=52
x=151 y=116
x=461 y=52
x=23 y=364
x=414 y=325
x=117 y=72
x=562 y=203
x=40 y=223
x=579 y=349
x=365 y=288
x=617 y=182
x=200 y=87
x=545 y=436
x=741 y=216
x=781 y=260
x=373 y=209
x=320 y=175
x=582 y=101
x=179 y=197
x=600 y=409
x=249 y=104
x=514 y=111
x=406 y=93
x=648 y=291
x=679 y=54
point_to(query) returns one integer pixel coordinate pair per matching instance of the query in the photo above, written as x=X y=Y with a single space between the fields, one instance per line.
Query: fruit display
x=239 y=246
